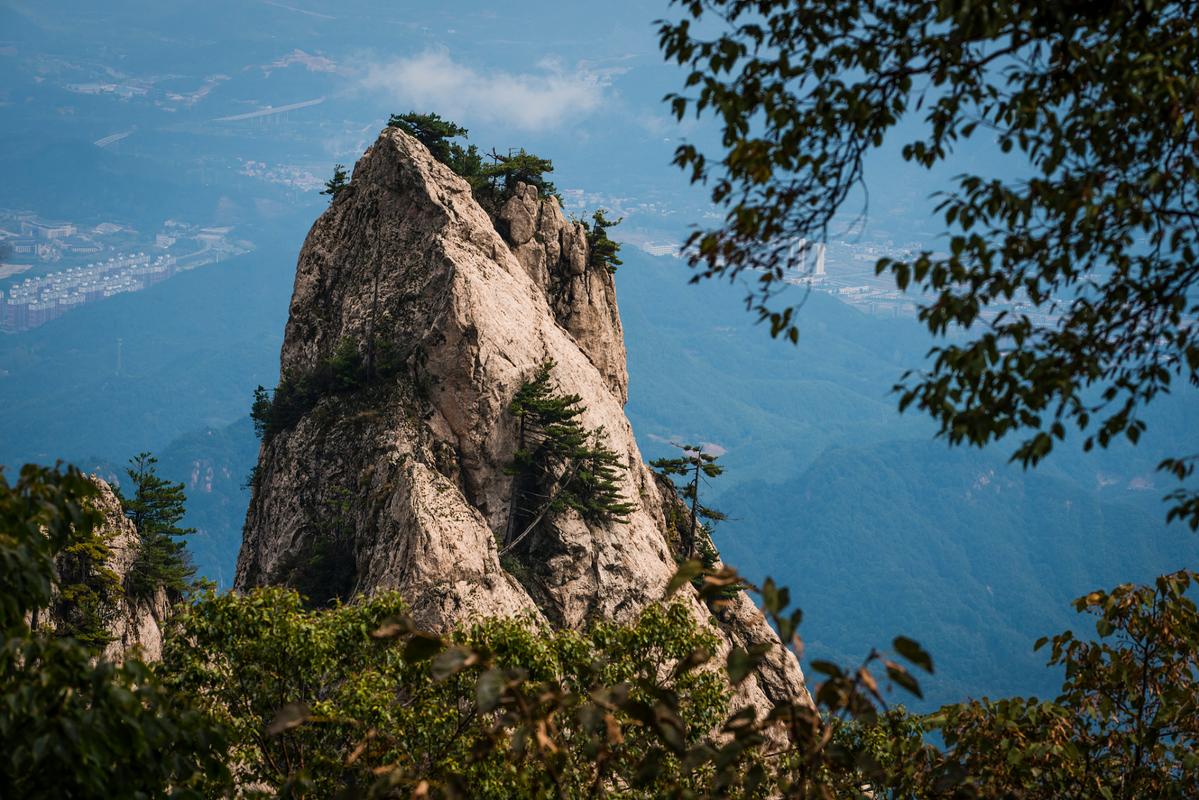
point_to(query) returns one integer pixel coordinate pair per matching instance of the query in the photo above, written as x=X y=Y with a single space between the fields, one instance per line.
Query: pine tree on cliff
x=559 y=464
x=436 y=134
x=156 y=507
x=520 y=166
x=430 y=130
x=603 y=249
x=339 y=181
x=692 y=465
x=88 y=589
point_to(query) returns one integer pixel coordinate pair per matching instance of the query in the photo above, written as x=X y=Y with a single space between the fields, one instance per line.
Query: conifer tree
x=432 y=131
x=156 y=507
x=603 y=249
x=691 y=465
x=436 y=133
x=558 y=463
x=519 y=167
x=88 y=588
x=339 y=181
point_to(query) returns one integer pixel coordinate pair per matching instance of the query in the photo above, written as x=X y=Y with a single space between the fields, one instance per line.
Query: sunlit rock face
x=404 y=483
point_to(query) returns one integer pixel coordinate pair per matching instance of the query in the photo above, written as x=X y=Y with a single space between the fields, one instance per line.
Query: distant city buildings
x=39 y=298
x=36 y=301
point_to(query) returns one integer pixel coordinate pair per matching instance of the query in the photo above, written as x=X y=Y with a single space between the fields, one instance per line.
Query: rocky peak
x=403 y=482
x=555 y=254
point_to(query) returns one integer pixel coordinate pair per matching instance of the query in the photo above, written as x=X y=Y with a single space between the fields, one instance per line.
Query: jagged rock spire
x=403 y=482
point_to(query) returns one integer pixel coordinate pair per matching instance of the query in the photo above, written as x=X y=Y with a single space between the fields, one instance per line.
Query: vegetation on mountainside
x=357 y=699
x=339 y=181
x=603 y=250
x=1092 y=218
x=74 y=726
x=492 y=183
x=88 y=596
x=505 y=709
x=347 y=370
x=156 y=506
x=308 y=700
x=558 y=464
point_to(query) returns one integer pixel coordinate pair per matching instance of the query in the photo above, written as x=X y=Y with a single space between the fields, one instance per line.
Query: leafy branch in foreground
x=1090 y=215
x=358 y=700
x=74 y=725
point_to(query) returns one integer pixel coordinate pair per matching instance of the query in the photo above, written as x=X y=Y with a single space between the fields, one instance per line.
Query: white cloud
x=434 y=81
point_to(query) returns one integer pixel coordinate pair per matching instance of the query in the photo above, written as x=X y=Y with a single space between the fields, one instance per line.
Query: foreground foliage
x=71 y=726
x=1088 y=215
x=357 y=701
x=319 y=702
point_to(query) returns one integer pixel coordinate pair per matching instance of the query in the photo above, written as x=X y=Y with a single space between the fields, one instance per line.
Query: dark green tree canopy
x=1096 y=221
x=430 y=130
x=74 y=725
x=156 y=506
x=559 y=464
x=339 y=181
x=437 y=134
x=604 y=251
x=519 y=166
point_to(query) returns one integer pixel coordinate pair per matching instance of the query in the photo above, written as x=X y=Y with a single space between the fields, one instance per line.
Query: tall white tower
x=820 y=260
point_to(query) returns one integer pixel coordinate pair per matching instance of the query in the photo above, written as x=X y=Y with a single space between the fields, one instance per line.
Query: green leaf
x=912 y=651
x=901 y=676
x=687 y=572
x=422 y=647
x=450 y=662
x=393 y=627
x=290 y=716
x=489 y=688
x=739 y=664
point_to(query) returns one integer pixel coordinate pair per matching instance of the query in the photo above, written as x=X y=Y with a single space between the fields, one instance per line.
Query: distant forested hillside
x=877 y=528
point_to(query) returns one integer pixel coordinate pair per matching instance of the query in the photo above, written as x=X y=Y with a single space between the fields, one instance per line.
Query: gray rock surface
x=138 y=624
x=402 y=484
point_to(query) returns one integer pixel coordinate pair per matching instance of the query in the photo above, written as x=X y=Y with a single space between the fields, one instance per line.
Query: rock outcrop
x=403 y=483
x=137 y=625
x=134 y=625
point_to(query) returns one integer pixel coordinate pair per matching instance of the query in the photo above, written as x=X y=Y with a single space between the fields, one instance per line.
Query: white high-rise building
x=820 y=260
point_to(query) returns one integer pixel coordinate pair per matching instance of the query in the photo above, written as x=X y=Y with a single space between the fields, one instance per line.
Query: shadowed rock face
x=403 y=484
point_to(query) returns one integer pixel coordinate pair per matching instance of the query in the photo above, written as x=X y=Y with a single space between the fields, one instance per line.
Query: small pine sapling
x=339 y=181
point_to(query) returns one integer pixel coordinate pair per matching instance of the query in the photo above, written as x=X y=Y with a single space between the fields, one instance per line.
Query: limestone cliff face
x=402 y=484
x=138 y=622
x=134 y=625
